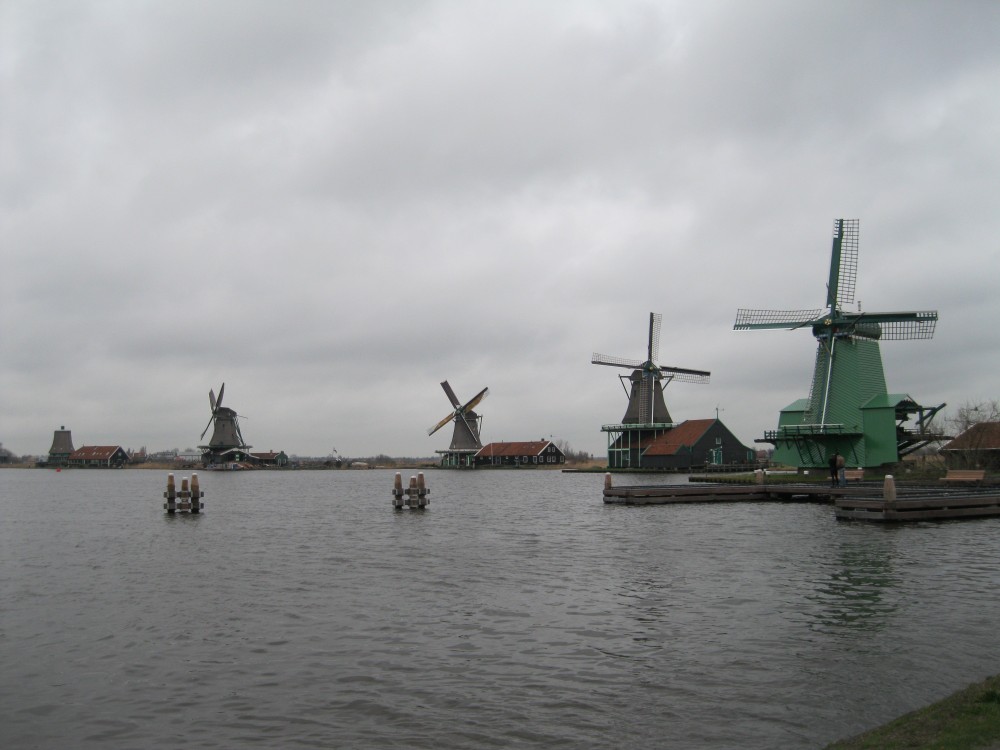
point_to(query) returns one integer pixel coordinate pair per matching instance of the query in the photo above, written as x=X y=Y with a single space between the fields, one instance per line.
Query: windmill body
x=849 y=409
x=227 y=439
x=646 y=415
x=465 y=440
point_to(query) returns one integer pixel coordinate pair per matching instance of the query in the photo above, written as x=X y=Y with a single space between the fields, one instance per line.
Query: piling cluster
x=414 y=496
x=186 y=499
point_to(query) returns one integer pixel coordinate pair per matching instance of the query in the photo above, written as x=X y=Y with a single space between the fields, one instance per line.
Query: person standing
x=841 y=471
x=833 y=469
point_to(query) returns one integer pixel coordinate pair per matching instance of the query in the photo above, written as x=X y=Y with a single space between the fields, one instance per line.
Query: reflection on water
x=519 y=610
x=858 y=594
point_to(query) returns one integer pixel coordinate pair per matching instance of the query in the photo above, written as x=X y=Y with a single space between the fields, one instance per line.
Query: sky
x=332 y=207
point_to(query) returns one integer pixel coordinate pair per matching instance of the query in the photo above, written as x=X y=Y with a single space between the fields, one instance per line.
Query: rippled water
x=300 y=610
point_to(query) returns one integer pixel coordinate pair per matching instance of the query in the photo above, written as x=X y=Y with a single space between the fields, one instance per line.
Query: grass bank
x=964 y=720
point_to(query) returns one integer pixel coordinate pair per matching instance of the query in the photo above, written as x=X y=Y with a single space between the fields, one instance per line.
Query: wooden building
x=976 y=448
x=270 y=458
x=534 y=453
x=692 y=444
x=99 y=456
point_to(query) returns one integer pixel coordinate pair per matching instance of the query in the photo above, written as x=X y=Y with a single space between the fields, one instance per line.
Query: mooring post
x=607 y=481
x=397 y=492
x=411 y=493
x=196 y=494
x=171 y=495
x=758 y=476
x=889 y=492
x=422 y=491
x=184 y=495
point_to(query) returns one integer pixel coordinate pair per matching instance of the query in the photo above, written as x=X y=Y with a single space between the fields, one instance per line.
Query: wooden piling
x=889 y=492
x=185 y=495
x=397 y=492
x=171 y=495
x=196 y=494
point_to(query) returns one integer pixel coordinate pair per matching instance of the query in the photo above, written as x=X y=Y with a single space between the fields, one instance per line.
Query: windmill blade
x=843 y=263
x=747 y=320
x=441 y=424
x=210 y=420
x=218 y=401
x=685 y=375
x=604 y=359
x=451 y=394
x=211 y=399
x=474 y=401
x=894 y=326
x=653 y=349
x=239 y=432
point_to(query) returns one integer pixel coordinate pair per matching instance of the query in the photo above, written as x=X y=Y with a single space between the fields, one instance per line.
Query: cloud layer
x=333 y=207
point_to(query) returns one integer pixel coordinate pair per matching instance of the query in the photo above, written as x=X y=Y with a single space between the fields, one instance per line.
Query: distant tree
x=973 y=412
x=572 y=456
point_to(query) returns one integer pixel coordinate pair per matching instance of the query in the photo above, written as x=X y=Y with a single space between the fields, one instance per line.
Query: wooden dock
x=920 y=506
x=874 y=501
x=727 y=493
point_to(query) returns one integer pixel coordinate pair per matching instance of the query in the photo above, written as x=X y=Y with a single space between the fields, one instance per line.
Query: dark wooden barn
x=693 y=444
x=534 y=453
x=99 y=456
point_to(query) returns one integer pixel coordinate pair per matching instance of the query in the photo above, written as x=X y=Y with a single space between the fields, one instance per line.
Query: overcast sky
x=333 y=206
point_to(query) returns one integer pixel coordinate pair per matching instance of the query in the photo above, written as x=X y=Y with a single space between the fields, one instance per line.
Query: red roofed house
x=976 y=448
x=534 y=453
x=694 y=444
x=103 y=456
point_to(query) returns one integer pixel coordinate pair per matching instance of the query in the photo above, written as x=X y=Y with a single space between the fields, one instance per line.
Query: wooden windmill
x=849 y=409
x=465 y=441
x=226 y=435
x=647 y=414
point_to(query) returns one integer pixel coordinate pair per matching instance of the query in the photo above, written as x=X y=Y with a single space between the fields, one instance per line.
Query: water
x=300 y=610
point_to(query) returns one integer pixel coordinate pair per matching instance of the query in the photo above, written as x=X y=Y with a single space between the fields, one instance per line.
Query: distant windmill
x=645 y=402
x=848 y=409
x=466 y=434
x=226 y=434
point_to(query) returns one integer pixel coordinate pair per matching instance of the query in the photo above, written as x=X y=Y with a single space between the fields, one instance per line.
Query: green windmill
x=849 y=409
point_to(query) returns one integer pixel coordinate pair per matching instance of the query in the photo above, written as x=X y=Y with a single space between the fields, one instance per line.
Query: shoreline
x=968 y=718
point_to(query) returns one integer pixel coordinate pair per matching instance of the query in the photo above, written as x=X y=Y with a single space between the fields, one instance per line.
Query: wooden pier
x=920 y=504
x=760 y=491
x=880 y=502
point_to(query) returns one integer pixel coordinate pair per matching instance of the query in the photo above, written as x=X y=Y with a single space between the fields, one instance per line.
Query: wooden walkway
x=728 y=493
x=873 y=501
x=921 y=506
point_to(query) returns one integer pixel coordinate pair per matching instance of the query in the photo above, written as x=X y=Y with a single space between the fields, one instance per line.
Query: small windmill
x=465 y=441
x=848 y=409
x=226 y=435
x=645 y=401
x=647 y=415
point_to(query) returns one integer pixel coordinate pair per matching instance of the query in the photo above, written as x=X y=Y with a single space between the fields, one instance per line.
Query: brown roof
x=984 y=436
x=95 y=452
x=532 y=448
x=683 y=435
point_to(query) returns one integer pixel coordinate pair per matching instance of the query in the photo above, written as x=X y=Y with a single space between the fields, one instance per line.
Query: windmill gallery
x=848 y=410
